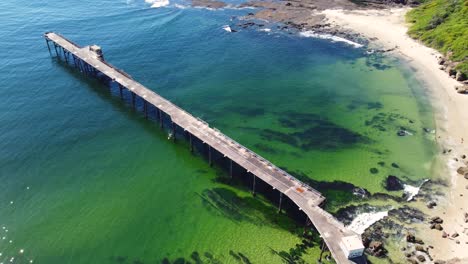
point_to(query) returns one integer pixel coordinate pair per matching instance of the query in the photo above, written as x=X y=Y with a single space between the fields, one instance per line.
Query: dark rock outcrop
x=393 y=183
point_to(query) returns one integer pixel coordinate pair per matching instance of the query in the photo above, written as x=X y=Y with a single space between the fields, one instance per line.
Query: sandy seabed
x=387 y=29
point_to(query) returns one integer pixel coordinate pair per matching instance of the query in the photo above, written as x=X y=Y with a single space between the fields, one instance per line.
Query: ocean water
x=85 y=179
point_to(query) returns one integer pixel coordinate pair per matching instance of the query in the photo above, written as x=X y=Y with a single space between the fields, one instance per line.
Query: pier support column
x=280 y=202
x=120 y=91
x=65 y=54
x=74 y=61
x=133 y=100
x=160 y=118
x=230 y=168
x=322 y=249
x=191 y=142
x=306 y=224
x=48 y=46
x=173 y=131
x=79 y=66
x=145 y=108
x=253 y=185
x=210 y=161
x=56 y=52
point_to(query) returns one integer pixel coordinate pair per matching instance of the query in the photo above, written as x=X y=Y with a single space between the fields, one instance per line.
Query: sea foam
x=157 y=3
x=365 y=220
x=227 y=28
x=412 y=191
x=311 y=34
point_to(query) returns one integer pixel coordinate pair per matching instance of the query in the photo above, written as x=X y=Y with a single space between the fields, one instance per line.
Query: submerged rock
x=401 y=133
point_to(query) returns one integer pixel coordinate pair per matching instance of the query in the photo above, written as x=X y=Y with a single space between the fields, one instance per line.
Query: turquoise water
x=85 y=179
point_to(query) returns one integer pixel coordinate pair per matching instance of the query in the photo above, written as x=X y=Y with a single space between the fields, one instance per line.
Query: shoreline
x=387 y=29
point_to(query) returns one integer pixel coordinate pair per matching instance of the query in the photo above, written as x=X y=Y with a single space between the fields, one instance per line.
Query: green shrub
x=443 y=25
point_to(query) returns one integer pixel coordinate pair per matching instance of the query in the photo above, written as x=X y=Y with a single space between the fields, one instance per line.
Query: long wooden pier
x=90 y=61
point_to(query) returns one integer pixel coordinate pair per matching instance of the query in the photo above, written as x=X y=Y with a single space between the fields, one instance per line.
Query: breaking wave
x=365 y=220
x=412 y=191
x=157 y=3
x=311 y=34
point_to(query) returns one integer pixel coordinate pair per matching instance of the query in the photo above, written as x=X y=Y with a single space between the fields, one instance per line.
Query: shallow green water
x=91 y=181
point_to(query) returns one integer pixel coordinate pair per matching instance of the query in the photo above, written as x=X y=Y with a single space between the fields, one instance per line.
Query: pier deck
x=308 y=199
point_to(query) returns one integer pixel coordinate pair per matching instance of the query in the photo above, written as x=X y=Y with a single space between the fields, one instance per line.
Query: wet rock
x=420 y=248
x=451 y=71
x=376 y=249
x=462 y=170
x=393 y=183
x=441 y=60
x=419 y=241
x=440 y=262
x=431 y=204
x=407 y=214
x=410 y=238
x=460 y=76
x=444 y=234
x=457 y=241
x=360 y=192
x=401 y=133
x=463 y=156
x=438 y=227
x=466 y=216
x=412 y=261
x=454 y=235
x=436 y=220
x=461 y=89
x=421 y=258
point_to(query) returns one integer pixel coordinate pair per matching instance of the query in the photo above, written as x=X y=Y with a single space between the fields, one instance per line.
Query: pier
x=341 y=242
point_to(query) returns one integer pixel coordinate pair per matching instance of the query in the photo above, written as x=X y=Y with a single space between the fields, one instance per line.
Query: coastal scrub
x=443 y=25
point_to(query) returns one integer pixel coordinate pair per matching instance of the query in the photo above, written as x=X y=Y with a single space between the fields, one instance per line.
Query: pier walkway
x=89 y=59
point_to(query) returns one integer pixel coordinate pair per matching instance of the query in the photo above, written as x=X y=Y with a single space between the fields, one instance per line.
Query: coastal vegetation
x=443 y=25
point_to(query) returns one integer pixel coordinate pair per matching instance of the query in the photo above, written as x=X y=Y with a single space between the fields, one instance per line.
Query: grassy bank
x=443 y=25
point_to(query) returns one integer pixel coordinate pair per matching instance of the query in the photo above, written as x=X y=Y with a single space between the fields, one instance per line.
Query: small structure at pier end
x=352 y=246
x=342 y=243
